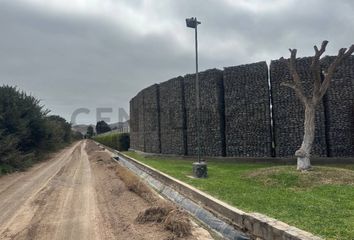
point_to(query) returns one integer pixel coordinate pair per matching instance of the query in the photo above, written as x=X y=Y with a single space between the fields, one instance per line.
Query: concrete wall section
x=134 y=123
x=339 y=102
x=140 y=113
x=288 y=112
x=152 y=119
x=172 y=117
x=211 y=111
x=247 y=110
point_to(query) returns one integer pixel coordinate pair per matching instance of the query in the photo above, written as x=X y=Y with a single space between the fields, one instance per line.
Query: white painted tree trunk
x=304 y=153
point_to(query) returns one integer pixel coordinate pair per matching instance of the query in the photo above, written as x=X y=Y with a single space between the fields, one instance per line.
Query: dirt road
x=74 y=195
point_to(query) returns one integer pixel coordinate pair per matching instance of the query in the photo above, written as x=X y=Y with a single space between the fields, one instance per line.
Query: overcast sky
x=100 y=53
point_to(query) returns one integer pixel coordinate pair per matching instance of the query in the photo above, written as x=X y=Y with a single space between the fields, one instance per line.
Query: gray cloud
x=91 y=60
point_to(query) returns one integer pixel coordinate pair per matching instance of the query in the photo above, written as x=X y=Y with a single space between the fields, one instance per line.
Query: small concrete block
x=200 y=170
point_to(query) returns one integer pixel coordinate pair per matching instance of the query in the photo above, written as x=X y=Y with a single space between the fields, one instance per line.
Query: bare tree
x=310 y=102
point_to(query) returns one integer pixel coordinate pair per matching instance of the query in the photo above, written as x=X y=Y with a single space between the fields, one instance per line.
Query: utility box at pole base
x=200 y=169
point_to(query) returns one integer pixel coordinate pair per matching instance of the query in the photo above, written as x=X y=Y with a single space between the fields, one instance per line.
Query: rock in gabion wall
x=339 y=109
x=172 y=117
x=247 y=111
x=140 y=113
x=288 y=112
x=152 y=119
x=134 y=123
x=211 y=111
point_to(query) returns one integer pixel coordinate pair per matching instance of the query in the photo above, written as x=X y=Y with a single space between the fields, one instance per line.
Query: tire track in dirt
x=78 y=211
x=23 y=188
x=62 y=209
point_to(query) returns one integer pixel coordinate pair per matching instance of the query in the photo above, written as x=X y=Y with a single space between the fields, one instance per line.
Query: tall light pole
x=193 y=23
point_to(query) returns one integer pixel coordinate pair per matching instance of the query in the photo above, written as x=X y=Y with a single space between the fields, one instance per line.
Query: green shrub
x=123 y=142
x=118 y=141
x=26 y=131
x=4 y=169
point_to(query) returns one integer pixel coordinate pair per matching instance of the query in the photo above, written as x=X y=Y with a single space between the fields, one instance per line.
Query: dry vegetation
x=162 y=211
x=136 y=185
x=178 y=222
x=154 y=214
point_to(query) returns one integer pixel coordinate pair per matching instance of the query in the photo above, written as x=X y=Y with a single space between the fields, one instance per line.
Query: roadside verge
x=221 y=217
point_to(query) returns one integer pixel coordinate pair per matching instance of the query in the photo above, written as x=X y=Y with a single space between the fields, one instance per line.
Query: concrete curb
x=257 y=225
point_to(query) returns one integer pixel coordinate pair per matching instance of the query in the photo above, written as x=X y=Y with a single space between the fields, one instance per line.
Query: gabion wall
x=141 y=133
x=236 y=115
x=134 y=123
x=247 y=111
x=211 y=113
x=288 y=112
x=152 y=119
x=172 y=117
x=339 y=102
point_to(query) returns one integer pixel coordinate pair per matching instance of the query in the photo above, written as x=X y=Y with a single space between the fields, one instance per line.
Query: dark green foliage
x=26 y=131
x=123 y=142
x=102 y=127
x=89 y=133
x=119 y=141
x=58 y=132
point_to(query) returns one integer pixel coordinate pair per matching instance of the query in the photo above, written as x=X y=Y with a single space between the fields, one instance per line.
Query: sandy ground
x=75 y=195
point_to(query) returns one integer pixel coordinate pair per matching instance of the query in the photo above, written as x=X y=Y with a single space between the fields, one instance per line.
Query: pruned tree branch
x=343 y=53
x=320 y=87
x=316 y=69
x=298 y=91
x=288 y=84
x=296 y=85
x=293 y=71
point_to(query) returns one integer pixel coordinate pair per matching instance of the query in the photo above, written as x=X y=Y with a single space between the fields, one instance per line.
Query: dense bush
x=90 y=133
x=26 y=132
x=102 y=127
x=118 y=141
x=123 y=142
x=58 y=133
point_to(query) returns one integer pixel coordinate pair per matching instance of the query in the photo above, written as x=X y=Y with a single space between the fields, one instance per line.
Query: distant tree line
x=27 y=132
x=101 y=127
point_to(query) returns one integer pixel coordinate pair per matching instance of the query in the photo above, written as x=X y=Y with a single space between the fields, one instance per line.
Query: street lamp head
x=192 y=22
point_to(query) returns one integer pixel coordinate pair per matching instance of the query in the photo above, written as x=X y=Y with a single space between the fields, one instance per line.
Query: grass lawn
x=320 y=201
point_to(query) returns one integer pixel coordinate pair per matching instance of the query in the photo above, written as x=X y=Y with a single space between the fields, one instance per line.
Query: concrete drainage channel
x=203 y=215
x=229 y=222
